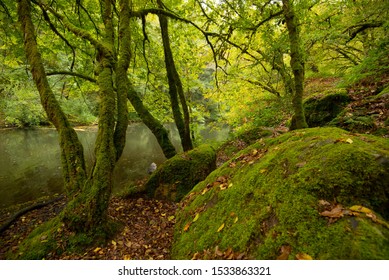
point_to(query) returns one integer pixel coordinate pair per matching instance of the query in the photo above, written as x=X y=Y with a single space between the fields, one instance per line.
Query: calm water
x=30 y=159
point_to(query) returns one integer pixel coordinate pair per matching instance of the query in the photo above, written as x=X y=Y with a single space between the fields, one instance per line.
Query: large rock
x=320 y=110
x=179 y=174
x=320 y=193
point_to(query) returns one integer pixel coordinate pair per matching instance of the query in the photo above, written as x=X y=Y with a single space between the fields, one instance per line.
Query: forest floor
x=147 y=230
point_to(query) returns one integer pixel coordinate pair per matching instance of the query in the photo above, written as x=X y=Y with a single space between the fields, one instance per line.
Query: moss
x=178 y=175
x=273 y=193
x=319 y=111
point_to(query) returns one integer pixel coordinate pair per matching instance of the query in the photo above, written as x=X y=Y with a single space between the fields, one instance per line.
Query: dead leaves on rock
x=286 y=250
x=218 y=254
x=336 y=211
x=249 y=158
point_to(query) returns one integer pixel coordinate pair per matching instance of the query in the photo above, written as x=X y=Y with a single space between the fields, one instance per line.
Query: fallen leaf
x=236 y=220
x=196 y=256
x=97 y=249
x=170 y=218
x=372 y=216
x=324 y=202
x=220 y=228
x=263 y=170
x=360 y=209
x=196 y=217
x=348 y=140
x=285 y=252
x=186 y=227
x=218 y=252
x=336 y=212
x=303 y=256
x=254 y=152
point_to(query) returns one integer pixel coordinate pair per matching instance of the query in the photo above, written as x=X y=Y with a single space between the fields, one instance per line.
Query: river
x=30 y=159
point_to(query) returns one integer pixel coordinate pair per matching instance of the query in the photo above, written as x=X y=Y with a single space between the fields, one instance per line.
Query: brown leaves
x=285 y=252
x=344 y=140
x=147 y=233
x=249 y=158
x=218 y=254
x=337 y=211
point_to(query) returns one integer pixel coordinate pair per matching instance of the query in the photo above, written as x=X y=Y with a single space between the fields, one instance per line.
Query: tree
x=176 y=91
x=297 y=64
x=89 y=194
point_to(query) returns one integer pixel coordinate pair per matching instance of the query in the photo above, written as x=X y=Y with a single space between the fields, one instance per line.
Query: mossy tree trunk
x=72 y=155
x=160 y=133
x=87 y=208
x=297 y=64
x=176 y=91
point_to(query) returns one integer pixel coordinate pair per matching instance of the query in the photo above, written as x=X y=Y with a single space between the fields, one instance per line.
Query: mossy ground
x=267 y=198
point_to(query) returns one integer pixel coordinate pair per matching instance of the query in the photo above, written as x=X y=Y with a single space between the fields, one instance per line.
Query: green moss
x=273 y=194
x=321 y=110
x=178 y=175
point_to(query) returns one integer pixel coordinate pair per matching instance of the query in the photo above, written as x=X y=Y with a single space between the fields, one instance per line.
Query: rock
x=319 y=111
x=179 y=174
x=318 y=192
x=152 y=168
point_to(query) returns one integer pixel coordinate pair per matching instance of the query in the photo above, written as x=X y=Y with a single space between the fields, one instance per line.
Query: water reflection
x=30 y=159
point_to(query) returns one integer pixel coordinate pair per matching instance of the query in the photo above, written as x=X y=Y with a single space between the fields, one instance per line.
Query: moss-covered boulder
x=320 y=193
x=179 y=174
x=320 y=110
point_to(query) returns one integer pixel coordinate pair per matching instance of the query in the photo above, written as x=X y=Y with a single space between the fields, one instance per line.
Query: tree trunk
x=72 y=155
x=175 y=87
x=87 y=210
x=297 y=64
x=152 y=123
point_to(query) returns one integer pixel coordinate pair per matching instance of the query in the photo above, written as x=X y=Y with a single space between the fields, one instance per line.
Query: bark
x=122 y=81
x=160 y=133
x=89 y=211
x=72 y=156
x=176 y=91
x=297 y=64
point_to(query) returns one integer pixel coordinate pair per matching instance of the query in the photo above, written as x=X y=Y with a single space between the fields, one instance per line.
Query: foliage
x=22 y=106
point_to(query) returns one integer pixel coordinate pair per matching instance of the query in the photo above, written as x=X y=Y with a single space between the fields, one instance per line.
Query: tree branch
x=70 y=73
x=360 y=28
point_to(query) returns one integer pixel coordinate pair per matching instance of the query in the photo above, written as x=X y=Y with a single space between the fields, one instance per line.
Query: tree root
x=21 y=212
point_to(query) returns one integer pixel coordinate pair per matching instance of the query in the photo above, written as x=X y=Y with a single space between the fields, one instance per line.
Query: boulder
x=318 y=193
x=179 y=174
x=320 y=110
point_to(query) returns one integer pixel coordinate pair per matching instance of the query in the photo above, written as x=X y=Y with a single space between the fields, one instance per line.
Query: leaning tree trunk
x=87 y=208
x=72 y=155
x=297 y=64
x=160 y=133
x=175 y=87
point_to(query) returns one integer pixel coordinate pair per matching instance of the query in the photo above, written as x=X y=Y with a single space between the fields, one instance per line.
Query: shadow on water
x=30 y=159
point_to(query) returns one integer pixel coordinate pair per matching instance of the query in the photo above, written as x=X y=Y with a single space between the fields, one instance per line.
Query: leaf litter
x=146 y=234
